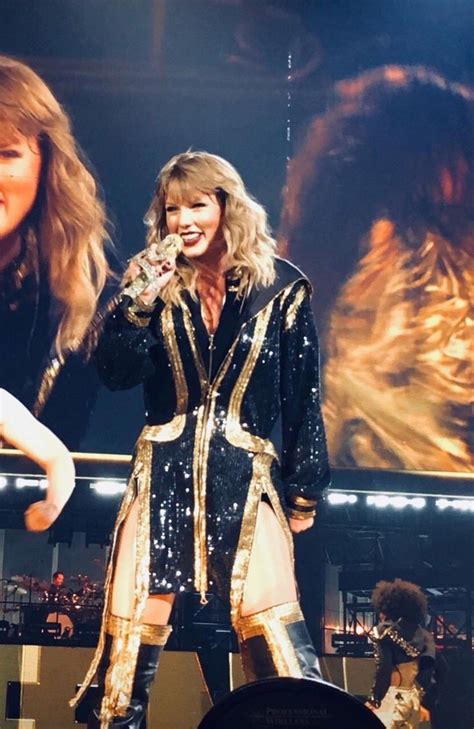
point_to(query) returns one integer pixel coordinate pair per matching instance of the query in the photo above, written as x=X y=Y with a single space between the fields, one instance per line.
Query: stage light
x=108 y=488
x=21 y=483
x=456 y=504
x=382 y=501
x=337 y=498
x=3 y=482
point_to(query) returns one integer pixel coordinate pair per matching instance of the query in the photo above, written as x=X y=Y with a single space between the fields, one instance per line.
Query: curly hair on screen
x=393 y=143
x=68 y=220
x=400 y=599
x=381 y=151
x=250 y=246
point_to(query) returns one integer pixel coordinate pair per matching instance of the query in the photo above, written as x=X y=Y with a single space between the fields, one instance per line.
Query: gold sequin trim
x=149 y=634
x=301 y=514
x=293 y=309
x=124 y=651
x=50 y=376
x=302 y=501
x=285 y=293
x=129 y=497
x=199 y=511
x=166 y=431
x=271 y=624
x=234 y=432
x=120 y=675
x=171 y=344
x=204 y=429
x=155 y=634
x=189 y=327
x=133 y=318
x=116 y=626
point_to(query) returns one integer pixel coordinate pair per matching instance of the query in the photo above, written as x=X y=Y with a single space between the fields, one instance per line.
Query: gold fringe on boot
x=123 y=660
x=271 y=625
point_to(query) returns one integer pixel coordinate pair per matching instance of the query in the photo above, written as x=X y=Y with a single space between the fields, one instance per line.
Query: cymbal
x=16 y=589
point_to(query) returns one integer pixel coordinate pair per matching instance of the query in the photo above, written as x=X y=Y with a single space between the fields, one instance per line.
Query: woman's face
x=198 y=220
x=20 y=170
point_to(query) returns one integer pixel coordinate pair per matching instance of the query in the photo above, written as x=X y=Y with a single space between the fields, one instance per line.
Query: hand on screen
x=40 y=516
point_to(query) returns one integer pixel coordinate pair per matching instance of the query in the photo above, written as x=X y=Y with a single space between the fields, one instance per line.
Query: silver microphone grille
x=171 y=246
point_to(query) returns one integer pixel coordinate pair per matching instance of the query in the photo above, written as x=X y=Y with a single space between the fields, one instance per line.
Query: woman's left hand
x=300 y=525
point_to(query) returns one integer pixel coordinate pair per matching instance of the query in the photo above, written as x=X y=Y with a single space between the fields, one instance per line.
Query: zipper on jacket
x=211 y=353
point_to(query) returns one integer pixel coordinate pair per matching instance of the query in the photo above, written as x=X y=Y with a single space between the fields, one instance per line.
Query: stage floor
x=36 y=683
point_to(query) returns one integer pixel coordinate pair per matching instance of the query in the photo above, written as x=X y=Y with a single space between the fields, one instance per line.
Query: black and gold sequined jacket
x=397 y=643
x=211 y=408
x=205 y=458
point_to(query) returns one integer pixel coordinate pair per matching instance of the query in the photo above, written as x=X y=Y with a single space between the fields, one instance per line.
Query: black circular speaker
x=289 y=703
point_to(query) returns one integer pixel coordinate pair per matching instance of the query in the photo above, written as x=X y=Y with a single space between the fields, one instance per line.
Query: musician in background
x=57 y=589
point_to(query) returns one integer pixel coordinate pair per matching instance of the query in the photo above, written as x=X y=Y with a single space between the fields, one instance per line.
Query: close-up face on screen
x=236 y=285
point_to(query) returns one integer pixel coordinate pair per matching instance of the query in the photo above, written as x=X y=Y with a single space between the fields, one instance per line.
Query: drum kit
x=35 y=611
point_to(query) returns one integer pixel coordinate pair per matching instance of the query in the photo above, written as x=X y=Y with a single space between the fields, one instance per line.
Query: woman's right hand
x=41 y=515
x=163 y=270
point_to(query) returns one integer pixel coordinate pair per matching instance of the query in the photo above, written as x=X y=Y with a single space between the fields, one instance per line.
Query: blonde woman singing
x=223 y=342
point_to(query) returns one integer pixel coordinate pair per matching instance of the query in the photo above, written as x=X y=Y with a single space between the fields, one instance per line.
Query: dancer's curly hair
x=400 y=599
x=67 y=222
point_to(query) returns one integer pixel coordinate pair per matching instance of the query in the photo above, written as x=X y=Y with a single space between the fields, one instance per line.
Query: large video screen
x=356 y=137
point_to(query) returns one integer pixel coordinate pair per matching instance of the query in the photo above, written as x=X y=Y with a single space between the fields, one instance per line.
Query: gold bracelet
x=302 y=500
x=301 y=514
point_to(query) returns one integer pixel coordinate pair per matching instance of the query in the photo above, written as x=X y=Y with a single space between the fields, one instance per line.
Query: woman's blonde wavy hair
x=250 y=246
x=68 y=221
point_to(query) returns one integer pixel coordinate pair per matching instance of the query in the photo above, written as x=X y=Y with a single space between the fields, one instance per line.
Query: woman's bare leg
x=158 y=607
x=270 y=578
x=273 y=637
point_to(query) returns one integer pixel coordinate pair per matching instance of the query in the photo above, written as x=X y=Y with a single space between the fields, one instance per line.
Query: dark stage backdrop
x=146 y=79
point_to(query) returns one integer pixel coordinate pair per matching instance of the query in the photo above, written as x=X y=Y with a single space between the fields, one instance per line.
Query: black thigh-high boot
x=153 y=640
x=276 y=642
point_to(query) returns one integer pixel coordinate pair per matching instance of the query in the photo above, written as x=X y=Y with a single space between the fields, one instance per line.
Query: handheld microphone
x=166 y=250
